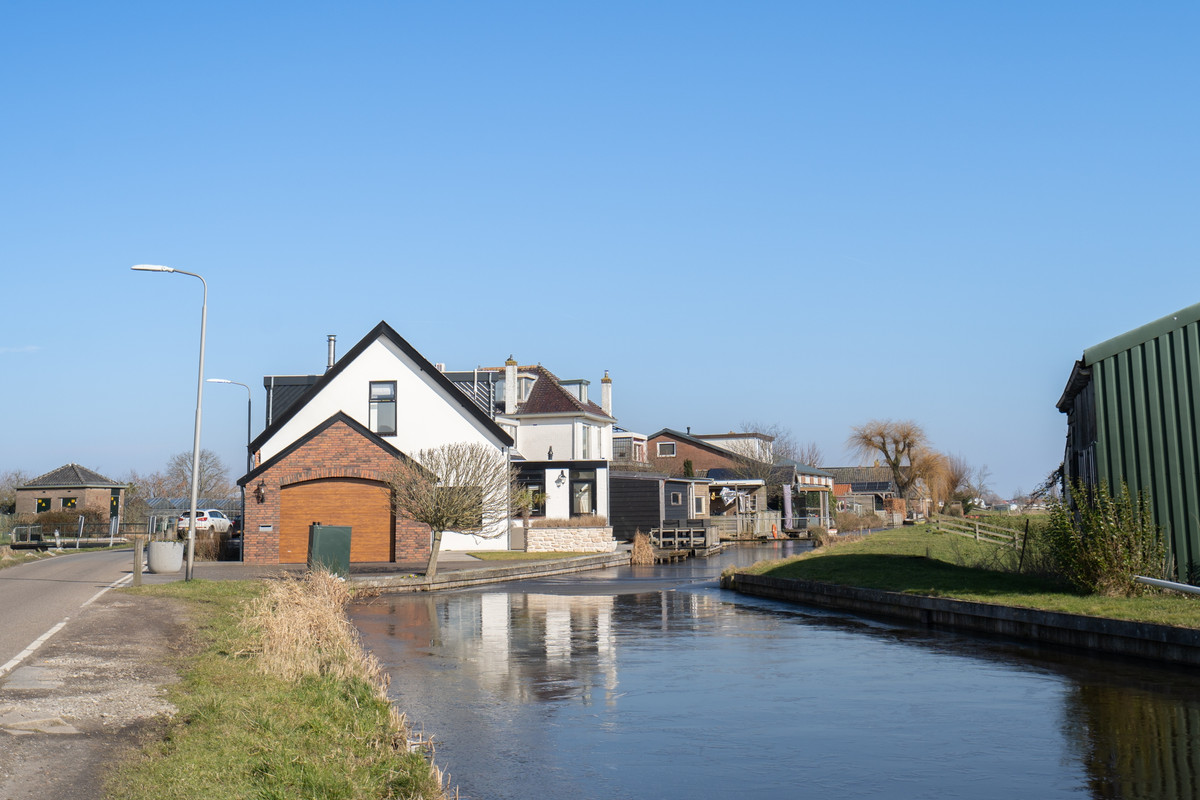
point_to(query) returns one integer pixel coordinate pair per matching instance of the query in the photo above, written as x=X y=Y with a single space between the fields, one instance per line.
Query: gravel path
x=88 y=695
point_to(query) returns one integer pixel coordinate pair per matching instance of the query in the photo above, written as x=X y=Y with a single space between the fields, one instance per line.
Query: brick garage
x=337 y=474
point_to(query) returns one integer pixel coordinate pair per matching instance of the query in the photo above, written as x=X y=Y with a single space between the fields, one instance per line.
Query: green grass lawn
x=242 y=734
x=917 y=561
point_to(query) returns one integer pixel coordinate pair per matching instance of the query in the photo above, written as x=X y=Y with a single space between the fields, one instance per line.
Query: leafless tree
x=10 y=481
x=176 y=479
x=463 y=487
x=905 y=449
x=964 y=483
x=809 y=454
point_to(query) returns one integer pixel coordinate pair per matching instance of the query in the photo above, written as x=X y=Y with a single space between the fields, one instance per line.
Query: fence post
x=977 y=530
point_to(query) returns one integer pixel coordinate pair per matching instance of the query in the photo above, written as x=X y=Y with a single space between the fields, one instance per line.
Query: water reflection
x=691 y=692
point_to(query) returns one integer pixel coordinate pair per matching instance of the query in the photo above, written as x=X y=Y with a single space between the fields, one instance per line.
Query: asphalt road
x=37 y=596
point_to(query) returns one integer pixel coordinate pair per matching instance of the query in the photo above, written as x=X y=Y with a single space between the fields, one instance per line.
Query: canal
x=651 y=682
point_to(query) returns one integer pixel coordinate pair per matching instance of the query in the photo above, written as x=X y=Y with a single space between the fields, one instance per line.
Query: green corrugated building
x=1133 y=416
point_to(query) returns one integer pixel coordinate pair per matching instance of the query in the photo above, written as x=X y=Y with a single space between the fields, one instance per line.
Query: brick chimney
x=606 y=393
x=510 y=386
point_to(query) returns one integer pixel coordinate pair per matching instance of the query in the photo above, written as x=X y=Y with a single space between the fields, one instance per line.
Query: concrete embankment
x=479 y=576
x=1162 y=643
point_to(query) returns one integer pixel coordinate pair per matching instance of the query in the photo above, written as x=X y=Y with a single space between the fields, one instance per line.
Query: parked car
x=207 y=519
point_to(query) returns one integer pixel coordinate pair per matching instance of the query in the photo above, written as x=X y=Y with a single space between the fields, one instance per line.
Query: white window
x=383 y=408
x=676 y=498
x=585 y=450
x=666 y=449
x=698 y=502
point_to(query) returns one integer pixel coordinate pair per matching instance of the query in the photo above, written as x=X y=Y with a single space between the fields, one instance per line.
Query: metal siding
x=1160 y=495
x=1189 y=469
x=1170 y=441
x=1147 y=419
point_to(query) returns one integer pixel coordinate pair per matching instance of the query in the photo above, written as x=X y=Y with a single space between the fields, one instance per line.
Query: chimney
x=606 y=393
x=332 y=352
x=510 y=386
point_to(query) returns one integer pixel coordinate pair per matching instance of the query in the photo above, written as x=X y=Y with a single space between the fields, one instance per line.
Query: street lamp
x=249 y=457
x=191 y=545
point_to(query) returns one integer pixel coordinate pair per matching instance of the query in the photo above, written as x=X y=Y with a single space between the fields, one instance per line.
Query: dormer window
x=524 y=387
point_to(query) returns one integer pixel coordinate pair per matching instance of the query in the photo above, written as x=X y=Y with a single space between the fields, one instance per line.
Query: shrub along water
x=1105 y=541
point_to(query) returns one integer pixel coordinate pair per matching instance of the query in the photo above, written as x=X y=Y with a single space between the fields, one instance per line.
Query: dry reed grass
x=643 y=553
x=302 y=630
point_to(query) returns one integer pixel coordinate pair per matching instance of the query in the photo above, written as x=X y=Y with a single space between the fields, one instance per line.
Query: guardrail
x=35 y=536
x=979 y=531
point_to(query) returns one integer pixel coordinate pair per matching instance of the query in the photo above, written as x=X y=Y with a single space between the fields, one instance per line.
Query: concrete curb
x=464 y=578
x=1163 y=643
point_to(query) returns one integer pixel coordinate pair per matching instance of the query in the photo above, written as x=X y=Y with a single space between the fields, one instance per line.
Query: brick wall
x=702 y=459
x=339 y=451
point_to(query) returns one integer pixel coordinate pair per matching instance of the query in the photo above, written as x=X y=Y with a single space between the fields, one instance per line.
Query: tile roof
x=548 y=395
x=71 y=475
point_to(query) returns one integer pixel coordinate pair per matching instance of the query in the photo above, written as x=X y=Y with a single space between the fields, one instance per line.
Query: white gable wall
x=426 y=417
x=425 y=414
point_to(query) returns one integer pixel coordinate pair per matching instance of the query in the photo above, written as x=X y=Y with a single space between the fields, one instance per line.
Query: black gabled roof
x=686 y=437
x=340 y=416
x=387 y=332
x=71 y=476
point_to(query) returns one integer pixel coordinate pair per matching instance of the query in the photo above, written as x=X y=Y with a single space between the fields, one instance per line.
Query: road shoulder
x=90 y=694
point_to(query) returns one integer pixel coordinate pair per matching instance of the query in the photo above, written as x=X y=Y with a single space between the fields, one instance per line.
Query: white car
x=207 y=519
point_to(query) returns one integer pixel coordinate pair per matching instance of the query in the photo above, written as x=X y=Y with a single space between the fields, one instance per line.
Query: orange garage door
x=365 y=506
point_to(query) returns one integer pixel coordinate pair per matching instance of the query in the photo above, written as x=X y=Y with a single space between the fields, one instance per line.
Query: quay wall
x=461 y=579
x=1164 y=643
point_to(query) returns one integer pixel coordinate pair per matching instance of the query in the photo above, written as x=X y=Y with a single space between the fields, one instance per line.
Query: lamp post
x=191 y=544
x=249 y=457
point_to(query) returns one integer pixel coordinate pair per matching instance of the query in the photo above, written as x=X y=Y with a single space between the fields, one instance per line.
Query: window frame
x=581 y=478
x=375 y=406
x=661 y=445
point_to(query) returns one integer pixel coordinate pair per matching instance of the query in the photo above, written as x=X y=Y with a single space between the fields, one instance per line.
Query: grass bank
x=917 y=561
x=277 y=700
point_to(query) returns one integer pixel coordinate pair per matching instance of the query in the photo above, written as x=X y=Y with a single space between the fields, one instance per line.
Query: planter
x=164 y=557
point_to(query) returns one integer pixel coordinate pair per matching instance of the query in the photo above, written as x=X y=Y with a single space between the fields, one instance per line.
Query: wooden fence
x=979 y=531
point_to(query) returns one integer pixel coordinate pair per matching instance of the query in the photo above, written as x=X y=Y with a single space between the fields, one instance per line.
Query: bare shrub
x=643 y=552
x=819 y=535
x=848 y=521
x=208 y=548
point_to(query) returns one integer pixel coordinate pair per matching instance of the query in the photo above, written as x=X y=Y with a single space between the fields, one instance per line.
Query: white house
x=331 y=441
x=563 y=438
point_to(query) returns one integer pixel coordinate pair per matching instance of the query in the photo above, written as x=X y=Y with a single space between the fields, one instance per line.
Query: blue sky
x=808 y=214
